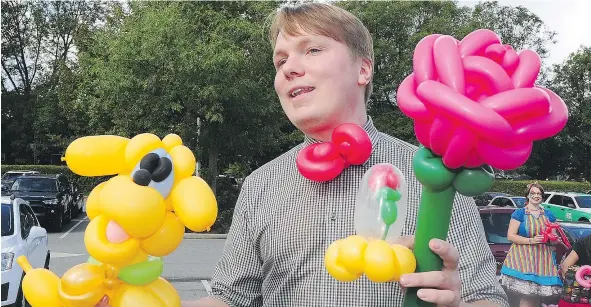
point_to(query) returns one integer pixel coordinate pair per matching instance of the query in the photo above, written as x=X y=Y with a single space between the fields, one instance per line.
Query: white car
x=508 y=201
x=21 y=235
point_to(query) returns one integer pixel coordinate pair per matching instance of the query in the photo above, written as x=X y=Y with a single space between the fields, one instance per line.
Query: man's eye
x=314 y=50
x=281 y=62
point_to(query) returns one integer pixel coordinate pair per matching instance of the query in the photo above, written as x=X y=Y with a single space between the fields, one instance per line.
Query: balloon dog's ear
x=99 y=155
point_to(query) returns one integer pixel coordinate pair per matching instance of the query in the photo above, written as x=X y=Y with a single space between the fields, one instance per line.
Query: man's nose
x=293 y=68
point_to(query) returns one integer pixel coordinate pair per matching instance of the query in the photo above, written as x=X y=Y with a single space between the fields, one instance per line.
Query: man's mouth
x=300 y=91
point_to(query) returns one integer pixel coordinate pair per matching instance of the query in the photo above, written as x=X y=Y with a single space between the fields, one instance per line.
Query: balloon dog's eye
x=155 y=170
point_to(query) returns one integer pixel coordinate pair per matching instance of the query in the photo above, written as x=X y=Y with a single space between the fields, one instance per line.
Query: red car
x=496 y=223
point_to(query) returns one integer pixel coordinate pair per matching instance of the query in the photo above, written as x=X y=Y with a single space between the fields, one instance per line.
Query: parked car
x=576 y=230
x=508 y=201
x=21 y=235
x=485 y=198
x=496 y=223
x=569 y=206
x=49 y=196
x=9 y=177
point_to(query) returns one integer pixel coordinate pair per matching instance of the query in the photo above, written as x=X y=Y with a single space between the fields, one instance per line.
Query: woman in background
x=530 y=270
x=576 y=295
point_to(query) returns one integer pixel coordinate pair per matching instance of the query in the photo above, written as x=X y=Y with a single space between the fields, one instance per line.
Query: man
x=283 y=223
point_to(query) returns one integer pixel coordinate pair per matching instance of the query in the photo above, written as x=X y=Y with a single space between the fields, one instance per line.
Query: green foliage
x=518 y=187
x=86 y=184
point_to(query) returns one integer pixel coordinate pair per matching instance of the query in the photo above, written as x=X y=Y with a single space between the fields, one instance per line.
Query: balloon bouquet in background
x=475 y=106
x=136 y=218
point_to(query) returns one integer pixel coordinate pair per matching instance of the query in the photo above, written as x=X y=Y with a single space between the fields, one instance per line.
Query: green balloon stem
x=386 y=232
x=432 y=222
x=435 y=207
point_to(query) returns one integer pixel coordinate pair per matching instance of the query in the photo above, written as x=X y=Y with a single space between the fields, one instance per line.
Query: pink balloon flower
x=475 y=102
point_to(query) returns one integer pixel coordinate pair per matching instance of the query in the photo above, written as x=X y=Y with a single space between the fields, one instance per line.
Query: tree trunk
x=213 y=165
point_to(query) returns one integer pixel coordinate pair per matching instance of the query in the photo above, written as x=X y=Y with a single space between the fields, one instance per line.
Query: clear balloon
x=380 y=212
x=380 y=206
x=136 y=217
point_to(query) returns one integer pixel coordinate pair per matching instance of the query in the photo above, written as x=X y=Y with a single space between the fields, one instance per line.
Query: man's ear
x=365 y=72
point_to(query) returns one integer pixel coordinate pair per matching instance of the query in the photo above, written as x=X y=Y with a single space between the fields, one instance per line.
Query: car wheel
x=584 y=220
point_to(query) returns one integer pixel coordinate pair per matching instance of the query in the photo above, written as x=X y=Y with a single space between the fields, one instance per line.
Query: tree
x=572 y=82
x=38 y=48
x=199 y=69
x=398 y=26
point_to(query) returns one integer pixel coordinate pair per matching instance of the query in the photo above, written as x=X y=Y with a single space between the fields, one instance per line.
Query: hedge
x=85 y=184
x=518 y=187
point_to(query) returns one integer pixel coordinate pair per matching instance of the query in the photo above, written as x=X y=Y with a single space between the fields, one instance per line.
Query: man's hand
x=438 y=287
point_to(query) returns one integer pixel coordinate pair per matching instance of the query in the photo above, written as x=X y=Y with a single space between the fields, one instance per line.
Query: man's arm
x=237 y=277
x=477 y=265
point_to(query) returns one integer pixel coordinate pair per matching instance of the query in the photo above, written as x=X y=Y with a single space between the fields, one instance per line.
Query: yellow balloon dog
x=136 y=217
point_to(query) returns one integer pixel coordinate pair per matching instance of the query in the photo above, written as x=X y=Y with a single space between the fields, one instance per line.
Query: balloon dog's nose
x=152 y=167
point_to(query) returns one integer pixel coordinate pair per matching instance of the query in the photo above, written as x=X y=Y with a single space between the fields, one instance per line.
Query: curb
x=205 y=236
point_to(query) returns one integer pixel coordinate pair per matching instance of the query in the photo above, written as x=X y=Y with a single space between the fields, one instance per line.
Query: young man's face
x=318 y=82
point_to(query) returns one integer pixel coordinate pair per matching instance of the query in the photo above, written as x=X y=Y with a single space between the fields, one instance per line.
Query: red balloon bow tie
x=350 y=145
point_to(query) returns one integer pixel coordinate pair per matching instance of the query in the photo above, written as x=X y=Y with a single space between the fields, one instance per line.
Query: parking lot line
x=70 y=230
x=207 y=286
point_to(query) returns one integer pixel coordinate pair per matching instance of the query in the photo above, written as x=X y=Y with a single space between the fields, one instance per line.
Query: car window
x=546 y=195
x=567 y=200
x=7 y=220
x=579 y=232
x=519 y=201
x=497 y=202
x=10 y=176
x=32 y=184
x=27 y=221
x=496 y=226
x=584 y=201
x=31 y=214
x=555 y=200
x=507 y=202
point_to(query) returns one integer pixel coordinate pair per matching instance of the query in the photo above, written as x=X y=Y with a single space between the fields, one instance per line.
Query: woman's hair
x=529 y=187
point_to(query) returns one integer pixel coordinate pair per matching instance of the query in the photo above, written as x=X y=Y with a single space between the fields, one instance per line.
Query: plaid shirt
x=283 y=223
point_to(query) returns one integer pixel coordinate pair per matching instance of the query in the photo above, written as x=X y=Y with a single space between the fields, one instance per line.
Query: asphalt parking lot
x=189 y=268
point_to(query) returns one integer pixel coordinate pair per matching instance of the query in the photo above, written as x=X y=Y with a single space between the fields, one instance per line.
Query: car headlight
x=50 y=201
x=7 y=261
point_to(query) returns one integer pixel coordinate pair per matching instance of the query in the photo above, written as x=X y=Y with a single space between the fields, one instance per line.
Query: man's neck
x=324 y=134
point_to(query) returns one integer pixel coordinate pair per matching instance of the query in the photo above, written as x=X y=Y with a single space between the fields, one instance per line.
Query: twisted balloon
x=474 y=102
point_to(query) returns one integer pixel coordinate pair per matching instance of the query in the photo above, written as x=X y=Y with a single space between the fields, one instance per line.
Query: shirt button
x=333 y=217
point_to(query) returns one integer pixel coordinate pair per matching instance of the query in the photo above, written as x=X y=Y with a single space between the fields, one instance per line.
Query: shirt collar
x=369 y=127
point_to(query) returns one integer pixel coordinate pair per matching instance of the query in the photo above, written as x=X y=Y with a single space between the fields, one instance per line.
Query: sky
x=571 y=19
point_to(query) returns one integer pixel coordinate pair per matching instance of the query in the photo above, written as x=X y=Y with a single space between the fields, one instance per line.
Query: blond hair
x=327 y=20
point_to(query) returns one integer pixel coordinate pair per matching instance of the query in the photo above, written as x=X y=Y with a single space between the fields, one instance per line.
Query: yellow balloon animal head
x=144 y=209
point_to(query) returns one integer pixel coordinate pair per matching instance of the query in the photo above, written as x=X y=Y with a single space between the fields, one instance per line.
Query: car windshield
x=519 y=201
x=584 y=201
x=496 y=226
x=7 y=221
x=35 y=185
x=579 y=232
